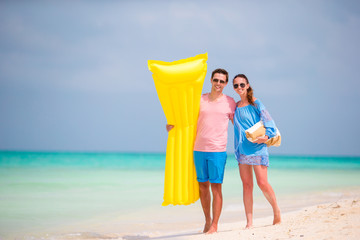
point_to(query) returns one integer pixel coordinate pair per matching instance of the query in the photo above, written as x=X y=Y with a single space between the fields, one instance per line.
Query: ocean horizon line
x=277 y=155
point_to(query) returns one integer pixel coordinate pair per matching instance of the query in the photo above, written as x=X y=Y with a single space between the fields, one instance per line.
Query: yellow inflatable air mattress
x=179 y=86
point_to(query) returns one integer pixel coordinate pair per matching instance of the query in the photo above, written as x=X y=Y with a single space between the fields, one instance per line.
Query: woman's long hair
x=250 y=92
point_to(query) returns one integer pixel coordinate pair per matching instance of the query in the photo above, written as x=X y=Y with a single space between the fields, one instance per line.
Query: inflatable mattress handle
x=179 y=86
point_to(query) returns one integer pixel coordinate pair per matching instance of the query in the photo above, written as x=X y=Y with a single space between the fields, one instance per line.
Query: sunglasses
x=242 y=85
x=217 y=80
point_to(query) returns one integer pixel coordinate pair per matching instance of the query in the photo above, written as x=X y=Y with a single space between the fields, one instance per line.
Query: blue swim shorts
x=210 y=166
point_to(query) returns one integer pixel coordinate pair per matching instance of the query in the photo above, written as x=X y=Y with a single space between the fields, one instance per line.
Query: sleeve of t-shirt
x=232 y=105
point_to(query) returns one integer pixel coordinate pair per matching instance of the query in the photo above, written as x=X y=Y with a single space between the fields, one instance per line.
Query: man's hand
x=169 y=127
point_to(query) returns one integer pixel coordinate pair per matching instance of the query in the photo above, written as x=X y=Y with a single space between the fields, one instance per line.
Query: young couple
x=216 y=109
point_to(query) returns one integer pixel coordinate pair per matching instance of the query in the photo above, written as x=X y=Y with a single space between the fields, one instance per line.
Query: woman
x=252 y=156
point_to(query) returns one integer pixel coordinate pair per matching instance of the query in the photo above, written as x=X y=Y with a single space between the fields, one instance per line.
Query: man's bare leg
x=205 y=200
x=217 y=206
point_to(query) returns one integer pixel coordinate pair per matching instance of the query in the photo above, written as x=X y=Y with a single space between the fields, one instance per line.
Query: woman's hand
x=263 y=139
x=169 y=127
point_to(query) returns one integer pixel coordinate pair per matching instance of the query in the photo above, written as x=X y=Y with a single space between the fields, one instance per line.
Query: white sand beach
x=337 y=220
x=335 y=216
x=333 y=220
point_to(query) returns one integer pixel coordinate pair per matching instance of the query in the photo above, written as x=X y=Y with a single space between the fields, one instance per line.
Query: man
x=216 y=109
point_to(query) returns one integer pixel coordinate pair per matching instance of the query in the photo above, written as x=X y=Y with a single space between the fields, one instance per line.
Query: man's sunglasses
x=217 y=80
x=242 y=85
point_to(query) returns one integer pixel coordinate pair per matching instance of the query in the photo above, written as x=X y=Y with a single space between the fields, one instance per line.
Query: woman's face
x=240 y=86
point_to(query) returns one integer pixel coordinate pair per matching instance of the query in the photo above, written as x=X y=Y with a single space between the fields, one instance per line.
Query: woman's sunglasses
x=242 y=85
x=217 y=80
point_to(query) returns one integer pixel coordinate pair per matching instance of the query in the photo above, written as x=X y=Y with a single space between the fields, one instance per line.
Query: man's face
x=218 y=82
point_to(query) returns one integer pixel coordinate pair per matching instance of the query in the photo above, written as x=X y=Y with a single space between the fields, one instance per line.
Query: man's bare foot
x=277 y=218
x=213 y=229
x=207 y=227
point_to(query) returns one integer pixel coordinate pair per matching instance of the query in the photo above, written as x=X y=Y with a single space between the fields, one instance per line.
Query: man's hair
x=221 y=71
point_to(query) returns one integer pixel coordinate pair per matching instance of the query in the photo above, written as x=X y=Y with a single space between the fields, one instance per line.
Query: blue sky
x=74 y=76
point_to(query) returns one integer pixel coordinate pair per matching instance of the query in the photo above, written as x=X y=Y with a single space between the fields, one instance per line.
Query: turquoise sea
x=42 y=192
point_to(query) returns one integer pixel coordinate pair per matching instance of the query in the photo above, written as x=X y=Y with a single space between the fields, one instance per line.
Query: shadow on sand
x=139 y=237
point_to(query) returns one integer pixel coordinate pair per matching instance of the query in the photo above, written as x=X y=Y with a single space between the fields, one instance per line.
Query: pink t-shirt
x=211 y=135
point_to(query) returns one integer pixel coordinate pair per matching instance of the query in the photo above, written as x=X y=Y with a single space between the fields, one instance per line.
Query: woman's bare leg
x=262 y=181
x=246 y=176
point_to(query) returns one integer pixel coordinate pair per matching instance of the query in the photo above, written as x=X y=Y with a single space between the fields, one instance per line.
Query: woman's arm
x=268 y=122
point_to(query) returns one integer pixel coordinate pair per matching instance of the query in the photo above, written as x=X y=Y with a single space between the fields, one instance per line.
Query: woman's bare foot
x=248 y=226
x=277 y=218
x=213 y=229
